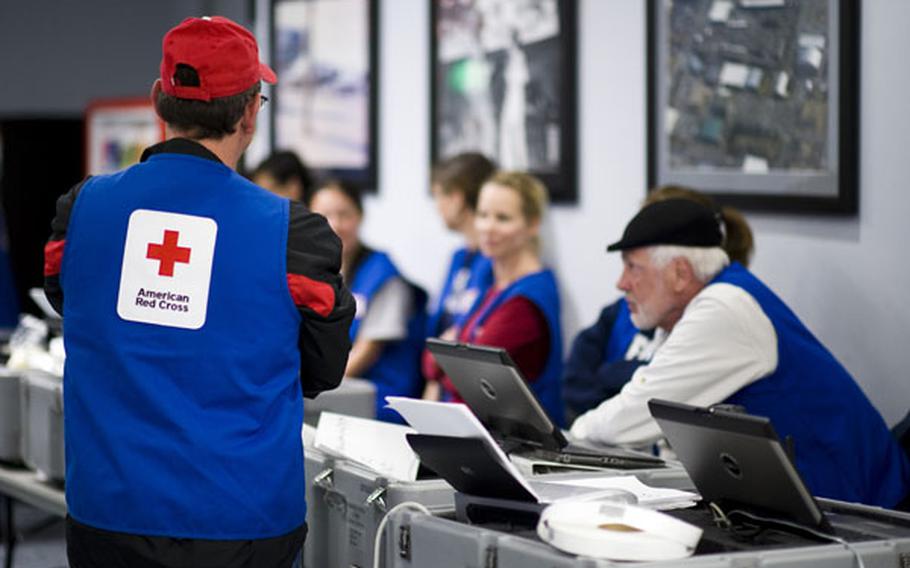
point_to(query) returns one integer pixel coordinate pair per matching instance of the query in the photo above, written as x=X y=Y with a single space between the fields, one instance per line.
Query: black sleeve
x=327 y=307
x=53 y=250
x=587 y=379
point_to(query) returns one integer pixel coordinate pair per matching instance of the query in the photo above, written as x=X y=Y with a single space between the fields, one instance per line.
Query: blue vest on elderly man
x=843 y=447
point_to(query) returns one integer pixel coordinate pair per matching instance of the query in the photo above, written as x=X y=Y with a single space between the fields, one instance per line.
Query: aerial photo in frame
x=749 y=91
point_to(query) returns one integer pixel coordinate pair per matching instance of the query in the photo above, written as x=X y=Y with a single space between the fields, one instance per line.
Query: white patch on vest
x=167 y=269
x=461 y=298
x=642 y=349
x=360 y=301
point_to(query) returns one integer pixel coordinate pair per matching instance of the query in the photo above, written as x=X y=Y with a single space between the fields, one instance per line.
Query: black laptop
x=495 y=391
x=473 y=468
x=737 y=461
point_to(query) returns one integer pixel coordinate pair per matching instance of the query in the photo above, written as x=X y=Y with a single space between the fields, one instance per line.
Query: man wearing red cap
x=199 y=308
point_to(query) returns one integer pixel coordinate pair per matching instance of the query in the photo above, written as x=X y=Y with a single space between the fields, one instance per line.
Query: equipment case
x=354 y=397
x=881 y=538
x=41 y=418
x=10 y=417
x=345 y=504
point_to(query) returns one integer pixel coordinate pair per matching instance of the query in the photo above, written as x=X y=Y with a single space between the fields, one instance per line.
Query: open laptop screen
x=737 y=461
x=492 y=386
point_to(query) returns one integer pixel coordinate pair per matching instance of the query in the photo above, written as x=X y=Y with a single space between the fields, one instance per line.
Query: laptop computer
x=737 y=461
x=472 y=467
x=496 y=392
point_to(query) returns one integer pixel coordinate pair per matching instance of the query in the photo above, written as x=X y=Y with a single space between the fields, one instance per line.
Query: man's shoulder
x=304 y=223
x=723 y=310
x=723 y=300
x=311 y=243
x=724 y=293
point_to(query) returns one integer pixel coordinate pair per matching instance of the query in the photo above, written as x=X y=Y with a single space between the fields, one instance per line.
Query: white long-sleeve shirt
x=723 y=342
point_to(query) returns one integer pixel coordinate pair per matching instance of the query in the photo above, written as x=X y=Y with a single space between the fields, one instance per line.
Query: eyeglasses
x=262 y=100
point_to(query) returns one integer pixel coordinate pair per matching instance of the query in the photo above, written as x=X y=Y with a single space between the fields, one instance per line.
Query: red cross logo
x=168 y=253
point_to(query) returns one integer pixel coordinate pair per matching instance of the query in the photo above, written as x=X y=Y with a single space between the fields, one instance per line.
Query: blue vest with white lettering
x=470 y=276
x=622 y=334
x=191 y=433
x=397 y=371
x=542 y=290
x=843 y=447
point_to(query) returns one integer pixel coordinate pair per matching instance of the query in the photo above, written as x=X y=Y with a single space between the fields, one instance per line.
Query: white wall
x=845 y=278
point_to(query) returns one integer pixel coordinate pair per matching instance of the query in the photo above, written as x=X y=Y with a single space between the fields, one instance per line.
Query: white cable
x=377 y=541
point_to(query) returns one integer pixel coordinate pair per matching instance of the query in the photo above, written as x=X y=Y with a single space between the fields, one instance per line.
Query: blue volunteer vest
x=843 y=448
x=541 y=289
x=397 y=371
x=622 y=334
x=191 y=433
x=469 y=277
x=603 y=358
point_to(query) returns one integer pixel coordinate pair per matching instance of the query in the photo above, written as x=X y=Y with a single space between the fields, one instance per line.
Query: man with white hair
x=727 y=338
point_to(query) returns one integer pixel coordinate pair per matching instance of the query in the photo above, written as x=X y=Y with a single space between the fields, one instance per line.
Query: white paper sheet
x=381 y=446
x=451 y=419
x=651 y=497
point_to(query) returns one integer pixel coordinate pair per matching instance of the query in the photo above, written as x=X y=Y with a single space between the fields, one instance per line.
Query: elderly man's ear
x=682 y=275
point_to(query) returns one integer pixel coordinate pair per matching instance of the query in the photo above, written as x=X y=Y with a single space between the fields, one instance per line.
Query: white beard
x=642 y=319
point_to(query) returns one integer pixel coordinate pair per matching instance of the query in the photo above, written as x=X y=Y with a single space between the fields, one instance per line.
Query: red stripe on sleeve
x=316 y=295
x=53 y=256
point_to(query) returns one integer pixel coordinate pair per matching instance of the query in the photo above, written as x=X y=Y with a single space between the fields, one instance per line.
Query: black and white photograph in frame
x=754 y=101
x=503 y=84
x=324 y=53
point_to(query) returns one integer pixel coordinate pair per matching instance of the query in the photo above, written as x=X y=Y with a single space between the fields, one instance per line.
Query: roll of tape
x=616 y=531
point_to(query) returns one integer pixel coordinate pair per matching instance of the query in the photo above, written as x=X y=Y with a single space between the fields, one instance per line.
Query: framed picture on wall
x=117 y=131
x=503 y=83
x=755 y=101
x=325 y=55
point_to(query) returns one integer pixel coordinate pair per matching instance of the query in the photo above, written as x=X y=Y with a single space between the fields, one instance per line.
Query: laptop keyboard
x=594 y=460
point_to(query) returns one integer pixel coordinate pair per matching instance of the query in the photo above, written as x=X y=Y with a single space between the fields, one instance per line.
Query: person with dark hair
x=729 y=339
x=284 y=173
x=455 y=185
x=521 y=310
x=604 y=356
x=190 y=338
x=388 y=328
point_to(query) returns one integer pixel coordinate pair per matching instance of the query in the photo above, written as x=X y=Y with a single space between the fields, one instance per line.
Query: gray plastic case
x=10 y=416
x=42 y=424
x=415 y=540
x=354 y=397
x=346 y=502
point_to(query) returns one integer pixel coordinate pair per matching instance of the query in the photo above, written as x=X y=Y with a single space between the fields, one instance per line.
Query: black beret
x=672 y=222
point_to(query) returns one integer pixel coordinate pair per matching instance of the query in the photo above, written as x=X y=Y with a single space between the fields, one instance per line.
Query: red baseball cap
x=223 y=53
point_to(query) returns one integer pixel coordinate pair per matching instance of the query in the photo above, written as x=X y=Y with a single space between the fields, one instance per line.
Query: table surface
x=26 y=486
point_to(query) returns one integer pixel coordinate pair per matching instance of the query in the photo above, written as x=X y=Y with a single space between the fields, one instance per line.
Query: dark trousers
x=89 y=547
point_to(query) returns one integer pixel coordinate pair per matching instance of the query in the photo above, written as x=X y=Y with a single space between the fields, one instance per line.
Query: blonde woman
x=520 y=312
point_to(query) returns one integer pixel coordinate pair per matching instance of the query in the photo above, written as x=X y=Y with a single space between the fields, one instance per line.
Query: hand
x=431 y=392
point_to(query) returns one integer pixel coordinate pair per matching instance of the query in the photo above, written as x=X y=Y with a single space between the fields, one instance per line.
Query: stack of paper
x=381 y=446
x=658 y=498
